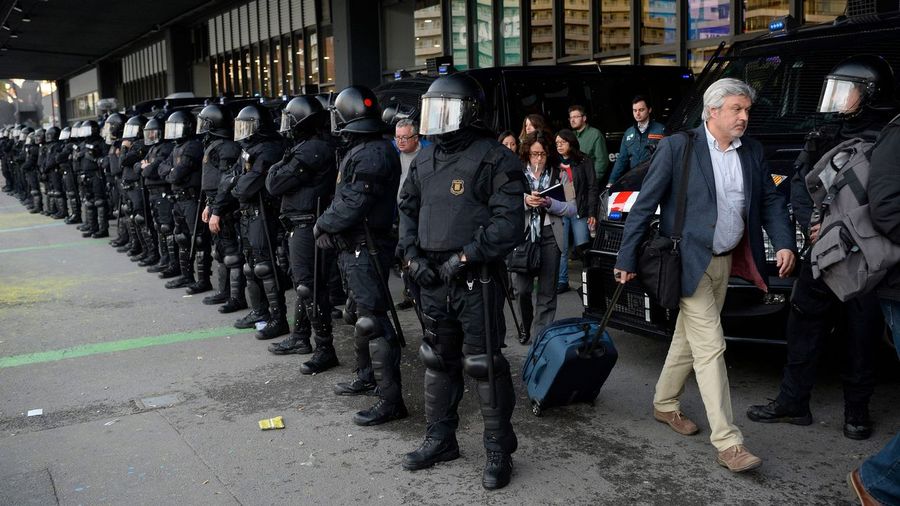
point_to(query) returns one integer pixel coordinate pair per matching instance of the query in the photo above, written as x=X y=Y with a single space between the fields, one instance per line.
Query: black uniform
x=305 y=181
x=136 y=207
x=255 y=204
x=94 y=185
x=112 y=169
x=54 y=171
x=219 y=157
x=70 y=181
x=158 y=191
x=32 y=174
x=463 y=197
x=183 y=170
x=368 y=179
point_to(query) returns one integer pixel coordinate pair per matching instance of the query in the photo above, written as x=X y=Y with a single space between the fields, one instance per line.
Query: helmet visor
x=63 y=135
x=174 y=130
x=106 y=133
x=151 y=136
x=131 y=131
x=841 y=96
x=203 y=125
x=441 y=115
x=244 y=128
x=287 y=122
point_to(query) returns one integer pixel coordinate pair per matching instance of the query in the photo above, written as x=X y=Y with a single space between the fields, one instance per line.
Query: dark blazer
x=764 y=208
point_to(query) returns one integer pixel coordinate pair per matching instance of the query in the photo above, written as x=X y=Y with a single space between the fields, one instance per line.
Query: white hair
x=715 y=95
x=408 y=123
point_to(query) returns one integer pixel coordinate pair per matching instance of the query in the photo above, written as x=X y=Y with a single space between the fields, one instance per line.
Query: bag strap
x=682 y=190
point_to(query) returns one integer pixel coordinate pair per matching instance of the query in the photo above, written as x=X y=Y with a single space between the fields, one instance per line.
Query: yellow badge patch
x=457 y=187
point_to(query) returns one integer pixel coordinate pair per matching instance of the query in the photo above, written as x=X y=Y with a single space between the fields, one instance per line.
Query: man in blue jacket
x=639 y=140
x=730 y=199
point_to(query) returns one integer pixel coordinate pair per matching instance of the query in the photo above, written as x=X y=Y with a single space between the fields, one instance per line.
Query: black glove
x=323 y=239
x=418 y=270
x=451 y=268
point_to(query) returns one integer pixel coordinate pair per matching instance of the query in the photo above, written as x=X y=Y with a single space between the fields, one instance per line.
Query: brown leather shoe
x=676 y=419
x=738 y=459
x=861 y=493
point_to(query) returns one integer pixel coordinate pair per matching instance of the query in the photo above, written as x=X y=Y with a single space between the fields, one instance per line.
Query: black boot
x=325 y=357
x=276 y=325
x=180 y=282
x=298 y=341
x=250 y=320
x=223 y=293
x=358 y=386
x=497 y=470
x=386 y=367
x=430 y=452
x=499 y=438
x=857 y=423
x=174 y=267
x=775 y=412
x=237 y=300
x=233 y=305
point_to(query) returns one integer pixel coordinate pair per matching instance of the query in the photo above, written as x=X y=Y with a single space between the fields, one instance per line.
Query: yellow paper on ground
x=272 y=423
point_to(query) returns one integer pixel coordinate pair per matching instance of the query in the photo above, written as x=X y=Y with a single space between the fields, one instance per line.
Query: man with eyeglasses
x=591 y=140
x=408 y=144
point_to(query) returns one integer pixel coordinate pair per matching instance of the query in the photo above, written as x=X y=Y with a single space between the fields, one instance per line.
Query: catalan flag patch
x=778 y=178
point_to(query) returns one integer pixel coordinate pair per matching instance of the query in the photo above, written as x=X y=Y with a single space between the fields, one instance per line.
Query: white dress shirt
x=729 y=177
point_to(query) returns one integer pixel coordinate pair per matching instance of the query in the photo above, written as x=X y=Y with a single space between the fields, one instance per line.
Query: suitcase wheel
x=536 y=408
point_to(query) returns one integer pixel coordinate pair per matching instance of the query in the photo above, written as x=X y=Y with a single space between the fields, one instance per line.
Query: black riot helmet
x=397 y=112
x=302 y=113
x=24 y=133
x=451 y=103
x=76 y=130
x=152 y=131
x=215 y=120
x=356 y=110
x=65 y=133
x=39 y=135
x=52 y=134
x=859 y=82
x=179 y=126
x=90 y=128
x=134 y=127
x=113 y=127
x=29 y=138
x=252 y=120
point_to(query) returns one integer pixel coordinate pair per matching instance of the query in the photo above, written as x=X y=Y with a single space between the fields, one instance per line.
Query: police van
x=787 y=68
x=511 y=93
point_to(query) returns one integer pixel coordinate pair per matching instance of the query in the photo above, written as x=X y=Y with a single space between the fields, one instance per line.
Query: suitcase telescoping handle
x=605 y=320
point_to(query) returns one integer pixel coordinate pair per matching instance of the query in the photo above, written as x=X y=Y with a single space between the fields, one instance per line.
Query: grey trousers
x=534 y=320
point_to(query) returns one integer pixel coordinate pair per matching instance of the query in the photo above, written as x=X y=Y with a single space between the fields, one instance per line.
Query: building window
x=822 y=11
x=577 y=28
x=615 y=25
x=658 y=22
x=427 y=30
x=759 y=13
x=459 y=41
x=697 y=58
x=299 y=64
x=658 y=59
x=708 y=19
x=511 y=33
x=277 y=59
x=484 y=33
x=328 y=76
x=312 y=42
x=256 y=68
x=541 y=30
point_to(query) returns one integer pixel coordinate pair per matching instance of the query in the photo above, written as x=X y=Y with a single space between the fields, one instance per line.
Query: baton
x=196 y=226
x=316 y=309
x=382 y=281
x=512 y=309
x=262 y=214
x=488 y=338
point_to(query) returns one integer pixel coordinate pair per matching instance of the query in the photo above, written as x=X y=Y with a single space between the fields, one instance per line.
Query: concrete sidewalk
x=150 y=397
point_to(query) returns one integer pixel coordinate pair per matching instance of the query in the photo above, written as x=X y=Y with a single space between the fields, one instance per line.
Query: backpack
x=850 y=256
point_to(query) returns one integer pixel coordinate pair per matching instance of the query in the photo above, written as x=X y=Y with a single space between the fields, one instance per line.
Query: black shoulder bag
x=659 y=262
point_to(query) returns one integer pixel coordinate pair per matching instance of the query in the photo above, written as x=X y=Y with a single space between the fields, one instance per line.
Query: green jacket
x=593 y=144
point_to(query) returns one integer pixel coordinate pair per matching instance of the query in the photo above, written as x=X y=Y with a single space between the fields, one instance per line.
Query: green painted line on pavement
x=31 y=227
x=52 y=246
x=84 y=350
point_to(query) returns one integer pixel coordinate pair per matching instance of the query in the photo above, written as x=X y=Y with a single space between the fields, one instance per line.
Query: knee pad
x=263 y=270
x=248 y=271
x=215 y=255
x=71 y=195
x=89 y=204
x=365 y=328
x=430 y=359
x=100 y=202
x=139 y=220
x=476 y=366
x=303 y=292
x=165 y=228
x=233 y=261
x=35 y=193
x=200 y=240
x=183 y=240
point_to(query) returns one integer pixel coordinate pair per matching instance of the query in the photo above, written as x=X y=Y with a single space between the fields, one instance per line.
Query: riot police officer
x=262 y=147
x=220 y=154
x=183 y=170
x=158 y=191
x=93 y=181
x=857 y=101
x=113 y=127
x=55 y=191
x=460 y=215
x=43 y=175
x=29 y=166
x=137 y=209
x=305 y=181
x=69 y=176
x=357 y=223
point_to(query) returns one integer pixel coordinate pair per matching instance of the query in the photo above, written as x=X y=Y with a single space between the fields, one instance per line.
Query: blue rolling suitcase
x=569 y=361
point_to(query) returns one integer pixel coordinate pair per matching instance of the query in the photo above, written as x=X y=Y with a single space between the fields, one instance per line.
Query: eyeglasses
x=540 y=154
x=576 y=116
x=406 y=138
x=562 y=143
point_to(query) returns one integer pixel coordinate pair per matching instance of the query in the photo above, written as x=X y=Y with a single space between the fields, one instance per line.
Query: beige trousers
x=698 y=344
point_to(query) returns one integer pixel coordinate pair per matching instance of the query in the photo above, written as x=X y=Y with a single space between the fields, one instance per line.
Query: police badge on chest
x=457 y=187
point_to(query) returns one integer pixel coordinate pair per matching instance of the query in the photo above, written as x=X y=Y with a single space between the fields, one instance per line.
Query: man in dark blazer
x=730 y=198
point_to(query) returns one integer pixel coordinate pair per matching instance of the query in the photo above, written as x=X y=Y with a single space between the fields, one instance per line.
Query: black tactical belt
x=249 y=212
x=185 y=194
